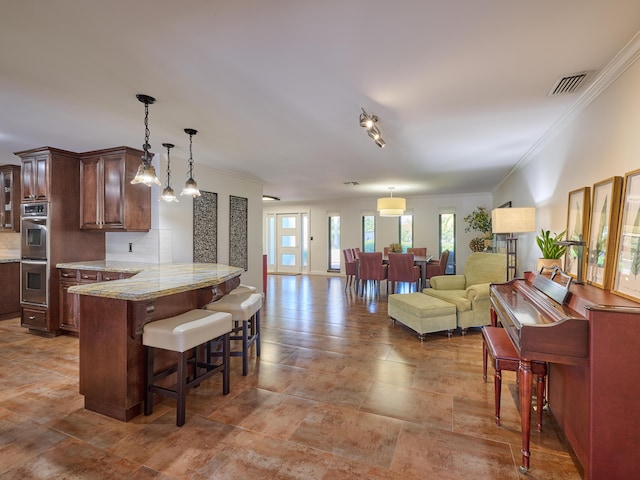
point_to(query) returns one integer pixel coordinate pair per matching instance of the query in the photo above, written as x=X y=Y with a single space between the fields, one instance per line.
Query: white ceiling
x=275 y=87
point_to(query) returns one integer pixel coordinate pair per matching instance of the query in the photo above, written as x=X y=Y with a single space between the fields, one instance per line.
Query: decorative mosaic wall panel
x=205 y=228
x=238 y=250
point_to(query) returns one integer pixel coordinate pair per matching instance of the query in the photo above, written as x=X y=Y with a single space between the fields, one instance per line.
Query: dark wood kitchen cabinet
x=108 y=200
x=53 y=175
x=35 y=185
x=37 y=319
x=69 y=303
x=9 y=289
x=10 y=198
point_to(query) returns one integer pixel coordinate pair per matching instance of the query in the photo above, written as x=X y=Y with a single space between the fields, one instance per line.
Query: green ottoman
x=422 y=313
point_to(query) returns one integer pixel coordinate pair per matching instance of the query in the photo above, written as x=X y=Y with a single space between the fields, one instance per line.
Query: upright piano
x=591 y=339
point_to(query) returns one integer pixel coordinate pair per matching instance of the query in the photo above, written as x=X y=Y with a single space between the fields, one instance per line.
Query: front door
x=288 y=243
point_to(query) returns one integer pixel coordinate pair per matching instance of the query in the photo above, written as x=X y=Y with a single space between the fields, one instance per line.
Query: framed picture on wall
x=605 y=208
x=577 y=227
x=627 y=274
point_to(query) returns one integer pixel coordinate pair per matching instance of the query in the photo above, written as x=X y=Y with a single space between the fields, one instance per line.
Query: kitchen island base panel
x=111 y=350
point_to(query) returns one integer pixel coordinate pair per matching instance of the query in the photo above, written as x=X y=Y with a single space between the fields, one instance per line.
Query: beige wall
x=424 y=208
x=601 y=142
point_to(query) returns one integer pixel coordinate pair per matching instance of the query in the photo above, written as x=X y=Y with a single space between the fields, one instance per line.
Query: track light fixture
x=146 y=172
x=369 y=122
x=167 y=193
x=190 y=186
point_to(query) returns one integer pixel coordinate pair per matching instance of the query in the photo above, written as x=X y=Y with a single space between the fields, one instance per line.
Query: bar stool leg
x=245 y=341
x=257 y=332
x=182 y=381
x=226 y=347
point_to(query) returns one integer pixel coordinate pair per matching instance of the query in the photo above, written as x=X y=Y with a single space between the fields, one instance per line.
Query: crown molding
x=624 y=59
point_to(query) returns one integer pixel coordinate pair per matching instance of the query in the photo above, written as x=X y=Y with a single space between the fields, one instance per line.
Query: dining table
x=419 y=260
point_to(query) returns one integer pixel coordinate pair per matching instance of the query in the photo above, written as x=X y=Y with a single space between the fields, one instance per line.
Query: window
x=369 y=233
x=334 y=243
x=406 y=232
x=448 y=240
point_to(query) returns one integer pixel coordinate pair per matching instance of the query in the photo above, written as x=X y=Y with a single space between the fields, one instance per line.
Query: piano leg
x=524 y=373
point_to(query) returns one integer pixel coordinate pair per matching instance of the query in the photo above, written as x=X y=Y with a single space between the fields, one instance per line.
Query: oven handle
x=36 y=220
x=34 y=262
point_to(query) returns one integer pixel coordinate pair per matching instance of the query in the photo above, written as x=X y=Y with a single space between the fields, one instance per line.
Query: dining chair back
x=356 y=253
x=419 y=251
x=349 y=266
x=402 y=269
x=371 y=269
x=438 y=267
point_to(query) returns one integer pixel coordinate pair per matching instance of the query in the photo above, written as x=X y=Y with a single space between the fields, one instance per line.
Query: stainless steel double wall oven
x=34 y=266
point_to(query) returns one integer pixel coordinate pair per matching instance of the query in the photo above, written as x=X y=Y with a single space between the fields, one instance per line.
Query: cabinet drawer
x=35 y=319
x=89 y=275
x=108 y=276
x=68 y=273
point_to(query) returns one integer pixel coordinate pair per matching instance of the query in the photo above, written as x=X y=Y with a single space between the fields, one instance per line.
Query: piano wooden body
x=592 y=344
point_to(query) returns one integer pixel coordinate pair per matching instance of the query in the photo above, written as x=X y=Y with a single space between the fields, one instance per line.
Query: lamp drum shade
x=513 y=220
x=391 y=206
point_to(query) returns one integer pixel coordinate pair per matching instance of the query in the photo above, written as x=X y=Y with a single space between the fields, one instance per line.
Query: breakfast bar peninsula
x=112 y=316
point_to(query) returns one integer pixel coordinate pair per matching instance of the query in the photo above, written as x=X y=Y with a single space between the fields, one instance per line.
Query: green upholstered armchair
x=470 y=292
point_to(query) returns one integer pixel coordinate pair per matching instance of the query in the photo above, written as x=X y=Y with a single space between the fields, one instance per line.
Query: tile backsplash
x=10 y=241
x=153 y=246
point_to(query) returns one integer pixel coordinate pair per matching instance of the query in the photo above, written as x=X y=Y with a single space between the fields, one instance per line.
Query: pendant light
x=146 y=172
x=190 y=186
x=167 y=193
x=391 y=206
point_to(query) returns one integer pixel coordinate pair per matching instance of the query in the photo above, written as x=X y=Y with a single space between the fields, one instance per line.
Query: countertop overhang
x=152 y=280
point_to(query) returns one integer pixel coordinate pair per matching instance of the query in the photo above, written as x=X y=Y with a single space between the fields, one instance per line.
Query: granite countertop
x=153 y=280
x=9 y=256
x=9 y=260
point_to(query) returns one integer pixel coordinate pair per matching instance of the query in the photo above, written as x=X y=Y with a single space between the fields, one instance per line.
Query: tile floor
x=338 y=393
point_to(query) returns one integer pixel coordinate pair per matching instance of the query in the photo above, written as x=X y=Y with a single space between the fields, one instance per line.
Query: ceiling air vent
x=568 y=84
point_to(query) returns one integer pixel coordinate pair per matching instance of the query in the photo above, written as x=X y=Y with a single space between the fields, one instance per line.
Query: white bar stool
x=244 y=308
x=243 y=289
x=183 y=334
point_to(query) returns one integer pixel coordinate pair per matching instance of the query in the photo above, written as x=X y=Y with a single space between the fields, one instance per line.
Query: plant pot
x=549 y=263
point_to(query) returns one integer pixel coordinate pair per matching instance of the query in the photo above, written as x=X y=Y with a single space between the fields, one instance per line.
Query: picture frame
x=600 y=253
x=627 y=274
x=578 y=209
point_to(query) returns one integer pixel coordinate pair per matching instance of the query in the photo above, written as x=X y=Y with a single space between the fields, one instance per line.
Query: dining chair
x=420 y=251
x=371 y=269
x=402 y=269
x=349 y=266
x=438 y=267
x=356 y=253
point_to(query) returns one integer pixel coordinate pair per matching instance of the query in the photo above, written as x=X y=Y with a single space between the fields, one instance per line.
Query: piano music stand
x=580 y=244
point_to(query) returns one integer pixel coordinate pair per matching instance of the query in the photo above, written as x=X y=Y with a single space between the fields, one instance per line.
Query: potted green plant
x=479 y=221
x=551 y=252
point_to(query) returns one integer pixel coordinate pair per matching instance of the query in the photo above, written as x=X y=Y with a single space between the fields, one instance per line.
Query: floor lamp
x=511 y=221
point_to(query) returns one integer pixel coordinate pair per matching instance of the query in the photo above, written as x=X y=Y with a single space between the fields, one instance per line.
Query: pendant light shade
x=391 y=206
x=190 y=186
x=167 y=193
x=146 y=172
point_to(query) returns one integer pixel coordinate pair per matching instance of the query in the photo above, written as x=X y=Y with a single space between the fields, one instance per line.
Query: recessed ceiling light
x=270 y=198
